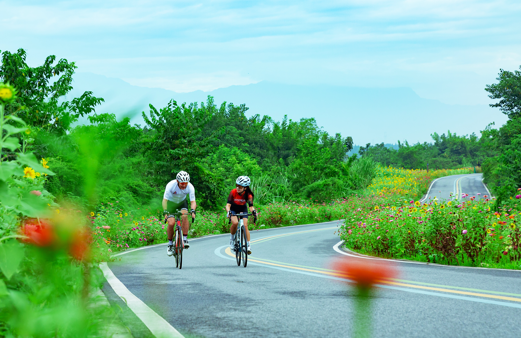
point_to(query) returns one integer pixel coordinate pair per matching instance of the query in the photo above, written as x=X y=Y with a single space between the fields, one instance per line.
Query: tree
x=175 y=140
x=508 y=91
x=41 y=92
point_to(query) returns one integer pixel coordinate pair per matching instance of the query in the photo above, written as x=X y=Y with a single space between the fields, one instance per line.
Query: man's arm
x=165 y=203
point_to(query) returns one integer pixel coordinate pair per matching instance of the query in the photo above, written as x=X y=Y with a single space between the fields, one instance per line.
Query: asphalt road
x=451 y=188
x=286 y=291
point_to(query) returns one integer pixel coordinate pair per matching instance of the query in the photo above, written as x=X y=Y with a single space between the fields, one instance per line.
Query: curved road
x=453 y=187
x=287 y=290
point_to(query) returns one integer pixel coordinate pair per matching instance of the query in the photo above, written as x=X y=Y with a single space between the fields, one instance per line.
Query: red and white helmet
x=182 y=177
x=243 y=181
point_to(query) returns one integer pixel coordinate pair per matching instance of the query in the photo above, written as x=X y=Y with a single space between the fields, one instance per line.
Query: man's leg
x=185 y=225
x=170 y=235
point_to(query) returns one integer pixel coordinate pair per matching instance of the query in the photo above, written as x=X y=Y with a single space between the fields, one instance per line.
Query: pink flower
x=378 y=237
x=36 y=192
x=106 y=227
x=518 y=196
x=350 y=231
x=464 y=232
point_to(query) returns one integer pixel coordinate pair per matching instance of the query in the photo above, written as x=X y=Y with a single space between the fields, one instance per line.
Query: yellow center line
x=343 y=275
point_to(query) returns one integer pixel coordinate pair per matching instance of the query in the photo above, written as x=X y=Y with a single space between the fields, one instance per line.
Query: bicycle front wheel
x=178 y=247
x=244 y=247
x=237 y=248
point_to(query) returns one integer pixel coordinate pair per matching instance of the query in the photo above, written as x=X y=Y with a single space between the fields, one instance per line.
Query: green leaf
x=11 y=255
x=7 y=198
x=3 y=288
x=8 y=169
x=30 y=160
x=32 y=205
x=13 y=130
x=17 y=119
x=11 y=143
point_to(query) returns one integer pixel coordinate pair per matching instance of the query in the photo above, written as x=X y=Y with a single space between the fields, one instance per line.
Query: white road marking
x=155 y=323
x=336 y=247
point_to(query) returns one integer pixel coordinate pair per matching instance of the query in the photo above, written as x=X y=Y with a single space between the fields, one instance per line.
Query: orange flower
x=80 y=245
x=365 y=273
x=38 y=232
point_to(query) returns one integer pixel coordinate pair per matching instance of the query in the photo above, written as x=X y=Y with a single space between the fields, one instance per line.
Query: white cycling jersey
x=175 y=194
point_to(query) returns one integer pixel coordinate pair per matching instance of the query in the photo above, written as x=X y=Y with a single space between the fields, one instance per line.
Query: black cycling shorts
x=238 y=209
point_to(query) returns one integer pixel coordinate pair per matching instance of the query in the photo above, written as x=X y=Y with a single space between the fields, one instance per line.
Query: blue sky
x=443 y=50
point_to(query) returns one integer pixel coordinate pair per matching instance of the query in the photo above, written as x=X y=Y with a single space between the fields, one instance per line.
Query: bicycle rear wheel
x=244 y=247
x=237 y=248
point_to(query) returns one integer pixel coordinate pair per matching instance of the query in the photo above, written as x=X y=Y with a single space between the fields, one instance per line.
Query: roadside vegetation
x=70 y=195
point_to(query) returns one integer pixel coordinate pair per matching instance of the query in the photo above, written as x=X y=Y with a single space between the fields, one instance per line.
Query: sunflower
x=7 y=93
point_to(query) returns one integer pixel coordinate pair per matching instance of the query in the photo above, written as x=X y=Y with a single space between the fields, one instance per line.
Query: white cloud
x=213 y=44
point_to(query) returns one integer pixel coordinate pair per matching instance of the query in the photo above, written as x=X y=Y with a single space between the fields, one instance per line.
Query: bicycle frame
x=178 y=238
x=240 y=243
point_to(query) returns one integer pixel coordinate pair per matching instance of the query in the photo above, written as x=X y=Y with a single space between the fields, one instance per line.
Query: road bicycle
x=179 y=244
x=239 y=240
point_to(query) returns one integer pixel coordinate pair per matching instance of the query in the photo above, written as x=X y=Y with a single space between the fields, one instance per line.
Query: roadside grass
x=468 y=232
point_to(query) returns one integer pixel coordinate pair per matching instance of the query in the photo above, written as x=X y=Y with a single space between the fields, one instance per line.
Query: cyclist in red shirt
x=237 y=204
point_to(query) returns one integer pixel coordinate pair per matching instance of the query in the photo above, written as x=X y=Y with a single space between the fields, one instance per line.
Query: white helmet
x=183 y=176
x=243 y=181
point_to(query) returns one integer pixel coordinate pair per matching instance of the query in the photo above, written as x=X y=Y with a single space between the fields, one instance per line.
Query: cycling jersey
x=236 y=199
x=175 y=194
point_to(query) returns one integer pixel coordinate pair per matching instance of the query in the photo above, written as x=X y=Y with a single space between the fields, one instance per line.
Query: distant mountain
x=369 y=115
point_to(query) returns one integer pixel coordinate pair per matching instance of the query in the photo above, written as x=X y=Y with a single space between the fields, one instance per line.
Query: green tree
x=41 y=92
x=508 y=91
x=175 y=139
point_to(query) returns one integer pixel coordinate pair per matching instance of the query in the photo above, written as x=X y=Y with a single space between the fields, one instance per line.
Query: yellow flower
x=37 y=174
x=27 y=131
x=57 y=211
x=7 y=93
x=92 y=214
x=29 y=173
x=143 y=217
x=376 y=208
x=44 y=163
x=414 y=209
x=488 y=231
x=449 y=203
x=120 y=215
x=126 y=214
x=417 y=203
x=512 y=226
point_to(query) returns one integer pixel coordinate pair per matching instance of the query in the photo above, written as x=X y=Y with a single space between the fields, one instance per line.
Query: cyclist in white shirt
x=174 y=199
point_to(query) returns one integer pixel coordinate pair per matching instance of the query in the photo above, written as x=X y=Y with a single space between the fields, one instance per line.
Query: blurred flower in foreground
x=365 y=274
x=38 y=232
x=80 y=245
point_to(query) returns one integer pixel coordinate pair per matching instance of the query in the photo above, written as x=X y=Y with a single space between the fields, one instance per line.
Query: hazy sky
x=443 y=49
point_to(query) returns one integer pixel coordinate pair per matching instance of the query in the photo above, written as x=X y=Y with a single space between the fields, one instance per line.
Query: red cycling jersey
x=240 y=199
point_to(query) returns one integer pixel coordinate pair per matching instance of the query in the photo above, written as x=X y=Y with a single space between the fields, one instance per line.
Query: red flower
x=80 y=245
x=38 y=232
x=365 y=273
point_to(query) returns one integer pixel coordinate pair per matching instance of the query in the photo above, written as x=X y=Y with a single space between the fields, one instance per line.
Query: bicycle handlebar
x=178 y=214
x=243 y=214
